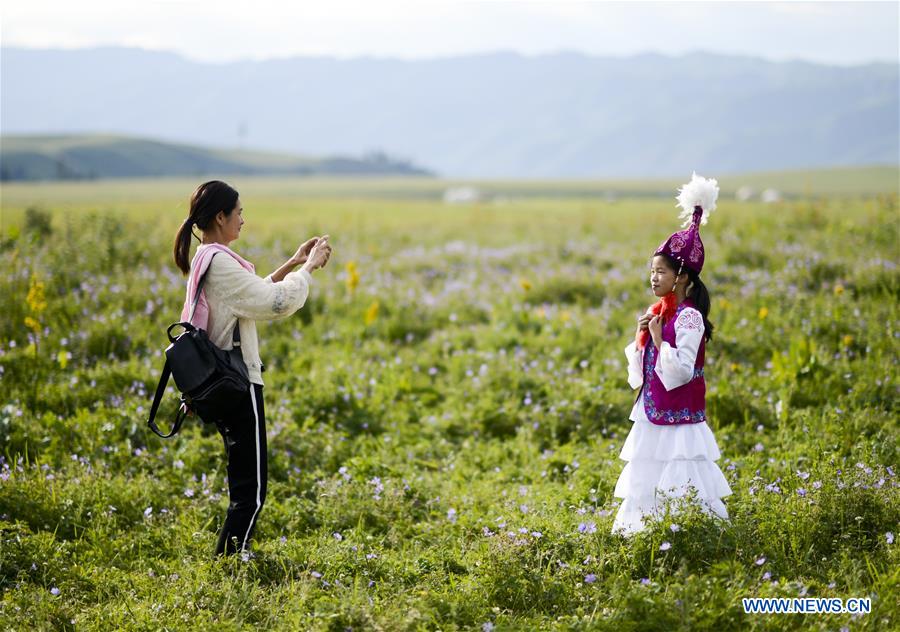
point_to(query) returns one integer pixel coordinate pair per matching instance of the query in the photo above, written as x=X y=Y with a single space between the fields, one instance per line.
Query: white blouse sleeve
x=252 y=297
x=675 y=366
x=635 y=372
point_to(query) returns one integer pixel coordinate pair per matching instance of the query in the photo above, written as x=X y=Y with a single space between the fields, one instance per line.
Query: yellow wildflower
x=847 y=340
x=63 y=358
x=372 y=313
x=838 y=289
x=352 y=276
x=525 y=283
x=33 y=324
x=763 y=312
x=36 y=300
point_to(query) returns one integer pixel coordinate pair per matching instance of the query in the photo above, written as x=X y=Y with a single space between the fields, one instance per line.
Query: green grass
x=428 y=402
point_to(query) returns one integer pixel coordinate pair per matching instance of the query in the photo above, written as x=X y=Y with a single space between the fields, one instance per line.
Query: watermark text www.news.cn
x=806 y=605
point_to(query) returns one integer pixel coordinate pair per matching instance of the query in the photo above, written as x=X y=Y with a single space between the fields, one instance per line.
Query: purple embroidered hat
x=697 y=200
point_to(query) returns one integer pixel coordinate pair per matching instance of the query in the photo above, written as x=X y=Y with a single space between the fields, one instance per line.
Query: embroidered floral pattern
x=670 y=416
x=279 y=302
x=696 y=251
x=649 y=361
x=677 y=242
x=689 y=319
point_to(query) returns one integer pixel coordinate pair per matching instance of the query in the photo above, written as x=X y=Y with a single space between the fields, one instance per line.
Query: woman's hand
x=302 y=257
x=319 y=255
x=303 y=251
x=655 y=327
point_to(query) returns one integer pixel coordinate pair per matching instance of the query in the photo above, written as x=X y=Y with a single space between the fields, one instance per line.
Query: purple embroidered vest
x=683 y=405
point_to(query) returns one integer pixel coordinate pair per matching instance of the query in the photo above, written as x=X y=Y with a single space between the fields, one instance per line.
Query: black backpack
x=213 y=382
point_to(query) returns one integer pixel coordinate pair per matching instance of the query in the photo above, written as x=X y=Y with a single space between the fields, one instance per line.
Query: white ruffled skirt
x=664 y=463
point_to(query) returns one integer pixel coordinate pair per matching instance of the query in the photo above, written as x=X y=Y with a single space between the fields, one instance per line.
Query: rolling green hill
x=79 y=157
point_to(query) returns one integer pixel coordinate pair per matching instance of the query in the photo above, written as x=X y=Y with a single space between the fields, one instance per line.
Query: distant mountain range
x=85 y=156
x=492 y=115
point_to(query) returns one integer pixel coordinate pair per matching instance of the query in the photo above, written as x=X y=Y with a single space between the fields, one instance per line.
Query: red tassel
x=665 y=308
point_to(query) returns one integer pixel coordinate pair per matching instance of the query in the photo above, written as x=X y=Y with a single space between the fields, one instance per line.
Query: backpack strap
x=200 y=287
x=157 y=398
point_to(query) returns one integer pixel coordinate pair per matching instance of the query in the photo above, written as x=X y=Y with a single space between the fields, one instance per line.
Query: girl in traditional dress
x=670 y=448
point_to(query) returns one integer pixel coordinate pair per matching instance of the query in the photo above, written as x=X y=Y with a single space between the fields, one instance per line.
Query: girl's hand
x=655 y=327
x=303 y=251
x=643 y=322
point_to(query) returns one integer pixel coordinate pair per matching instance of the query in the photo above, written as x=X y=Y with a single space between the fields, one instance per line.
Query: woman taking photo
x=231 y=300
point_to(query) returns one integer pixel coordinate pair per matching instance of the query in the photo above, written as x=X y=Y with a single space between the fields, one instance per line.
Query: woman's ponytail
x=183 y=245
x=207 y=201
x=700 y=295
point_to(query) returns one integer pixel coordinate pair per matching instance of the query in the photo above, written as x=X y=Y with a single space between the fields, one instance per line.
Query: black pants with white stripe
x=245 y=446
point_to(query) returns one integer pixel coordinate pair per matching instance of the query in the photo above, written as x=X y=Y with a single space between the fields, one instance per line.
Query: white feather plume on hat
x=702 y=192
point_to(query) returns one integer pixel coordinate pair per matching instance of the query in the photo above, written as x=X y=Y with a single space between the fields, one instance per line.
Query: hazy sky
x=225 y=30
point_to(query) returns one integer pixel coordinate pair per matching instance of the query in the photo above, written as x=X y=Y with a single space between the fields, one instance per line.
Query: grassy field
x=444 y=432
x=166 y=194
